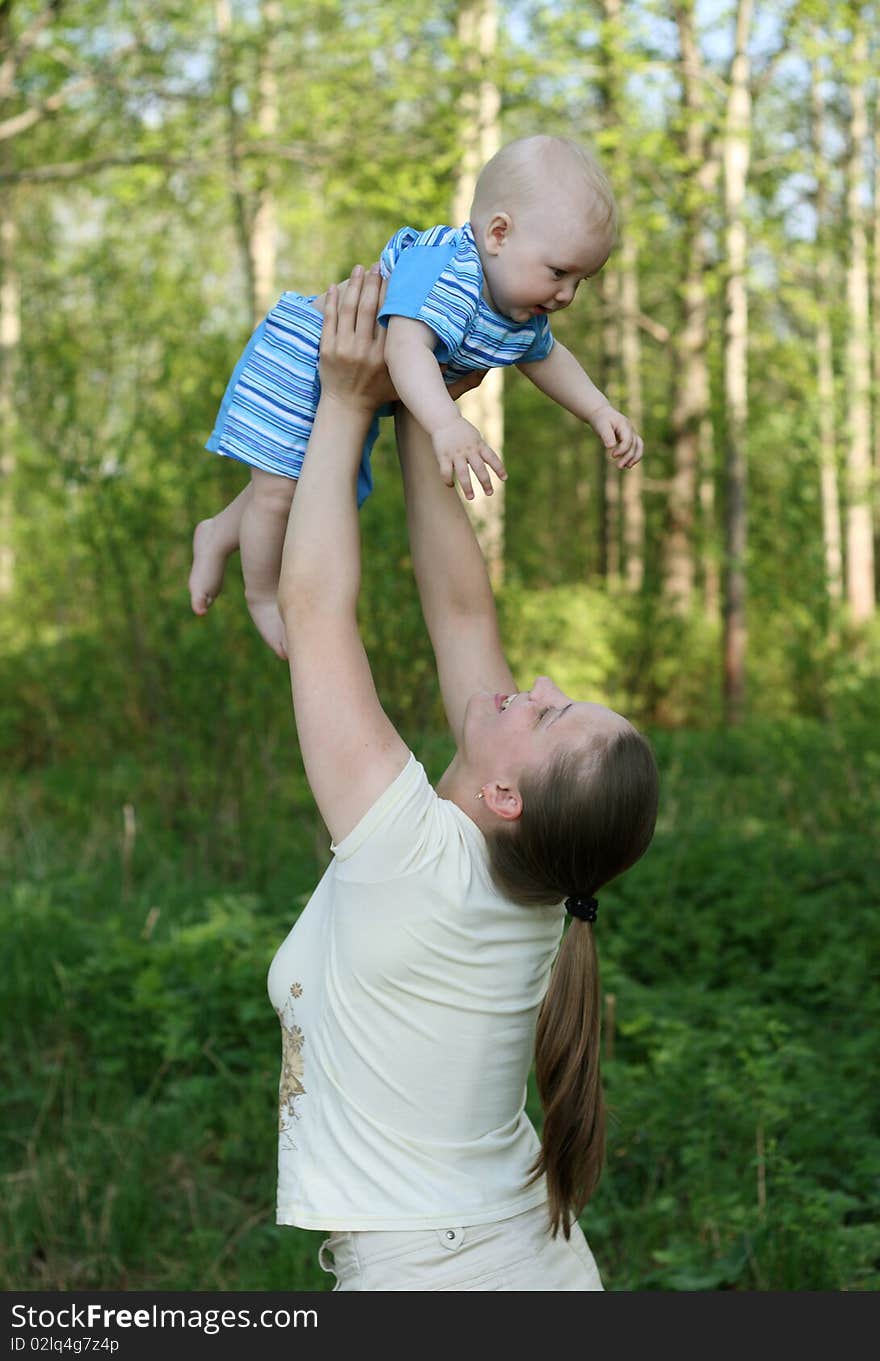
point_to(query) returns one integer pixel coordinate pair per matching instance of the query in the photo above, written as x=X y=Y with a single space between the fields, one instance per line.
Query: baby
x=458 y=300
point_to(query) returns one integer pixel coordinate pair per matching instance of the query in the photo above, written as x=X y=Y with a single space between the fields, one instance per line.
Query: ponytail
x=585 y=820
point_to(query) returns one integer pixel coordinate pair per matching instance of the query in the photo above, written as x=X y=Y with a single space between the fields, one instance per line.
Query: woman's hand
x=352 y=359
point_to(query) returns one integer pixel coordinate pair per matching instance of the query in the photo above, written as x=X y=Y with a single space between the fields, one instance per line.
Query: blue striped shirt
x=436 y=277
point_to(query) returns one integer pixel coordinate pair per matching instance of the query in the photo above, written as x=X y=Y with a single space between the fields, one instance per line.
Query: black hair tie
x=585 y=909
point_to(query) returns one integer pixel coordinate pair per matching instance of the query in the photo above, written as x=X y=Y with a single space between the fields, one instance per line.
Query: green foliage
x=738 y=961
x=139 y=1112
x=154 y=822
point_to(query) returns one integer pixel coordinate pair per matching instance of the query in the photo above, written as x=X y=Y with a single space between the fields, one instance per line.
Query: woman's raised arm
x=454 y=588
x=350 y=749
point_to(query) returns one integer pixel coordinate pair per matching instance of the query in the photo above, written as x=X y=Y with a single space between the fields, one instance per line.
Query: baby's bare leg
x=214 y=541
x=261 y=536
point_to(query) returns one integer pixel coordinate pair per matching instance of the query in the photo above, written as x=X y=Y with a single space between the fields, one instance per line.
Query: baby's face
x=536 y=268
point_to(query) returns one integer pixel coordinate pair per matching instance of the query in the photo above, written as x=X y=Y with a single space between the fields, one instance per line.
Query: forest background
x=165 y=171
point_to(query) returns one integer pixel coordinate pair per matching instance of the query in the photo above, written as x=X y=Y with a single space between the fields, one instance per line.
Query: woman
x=410 y=987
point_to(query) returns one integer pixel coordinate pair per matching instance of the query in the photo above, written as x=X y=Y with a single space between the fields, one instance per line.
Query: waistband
x=353 y=1251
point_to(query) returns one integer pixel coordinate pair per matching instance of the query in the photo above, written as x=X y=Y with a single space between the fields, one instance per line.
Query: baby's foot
x=208 y=567
x=269 y=625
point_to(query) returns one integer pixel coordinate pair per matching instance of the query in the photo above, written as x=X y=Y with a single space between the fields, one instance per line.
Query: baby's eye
x=557 y=273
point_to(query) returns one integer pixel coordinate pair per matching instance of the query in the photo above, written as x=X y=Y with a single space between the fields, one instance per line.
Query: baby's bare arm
x=459 y=447
x=562 y=378
x=416 y=375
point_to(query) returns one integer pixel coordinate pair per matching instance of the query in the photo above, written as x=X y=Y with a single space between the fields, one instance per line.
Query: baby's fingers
x=621 y=441
x=635 y=456
x=494 y=461
x=462 y=472
x=478 y=464
x=447 y=470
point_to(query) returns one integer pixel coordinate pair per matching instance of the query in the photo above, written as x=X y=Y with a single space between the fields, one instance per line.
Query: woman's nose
x=544 y=688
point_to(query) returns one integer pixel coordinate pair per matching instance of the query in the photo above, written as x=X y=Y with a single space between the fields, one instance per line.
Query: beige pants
x=512 y=1254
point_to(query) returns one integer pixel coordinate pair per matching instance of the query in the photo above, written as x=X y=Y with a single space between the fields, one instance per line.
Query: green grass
x=140 y=1057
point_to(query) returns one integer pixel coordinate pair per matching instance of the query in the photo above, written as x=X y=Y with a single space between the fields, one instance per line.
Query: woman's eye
x=541 y=714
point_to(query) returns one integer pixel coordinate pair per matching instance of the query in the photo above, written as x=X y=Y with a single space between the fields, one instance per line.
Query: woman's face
x=505 y=735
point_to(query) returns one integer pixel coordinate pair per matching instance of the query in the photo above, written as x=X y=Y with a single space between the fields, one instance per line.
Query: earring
x=479 y=796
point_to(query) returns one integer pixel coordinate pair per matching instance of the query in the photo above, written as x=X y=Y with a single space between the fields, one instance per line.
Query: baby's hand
x=460 y=447
x=618 y=435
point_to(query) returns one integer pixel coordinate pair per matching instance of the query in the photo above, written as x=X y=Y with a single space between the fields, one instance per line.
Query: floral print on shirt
x=290 y=1087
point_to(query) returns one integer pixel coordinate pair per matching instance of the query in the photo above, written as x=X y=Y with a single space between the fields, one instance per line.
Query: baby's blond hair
x=518 y=175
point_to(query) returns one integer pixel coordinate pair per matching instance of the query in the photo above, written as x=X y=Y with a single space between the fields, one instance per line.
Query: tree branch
x=73 y=170
x=18 y=51
x=22 y=121
x=655 y=329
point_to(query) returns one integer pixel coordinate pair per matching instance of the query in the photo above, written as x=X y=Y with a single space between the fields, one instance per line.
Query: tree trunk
x=479 y=106
x=10 y=333
x=626 y=512
x=691 y=425
x=824 y=356
x=708 y=519
x=624 y=520
x=226 y=81
x=736 y=166
x=263 y=242
x=859 y=527
x=875 y=312
x=631 y=356
x=608 y=477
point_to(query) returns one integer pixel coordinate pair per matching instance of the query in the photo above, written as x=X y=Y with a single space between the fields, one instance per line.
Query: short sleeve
x=399 y=242
x=435 y=285
x=541 y=345
x=404 y=829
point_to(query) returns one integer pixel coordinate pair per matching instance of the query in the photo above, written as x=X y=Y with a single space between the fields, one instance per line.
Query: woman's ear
x=502 y=799
x=496 y=232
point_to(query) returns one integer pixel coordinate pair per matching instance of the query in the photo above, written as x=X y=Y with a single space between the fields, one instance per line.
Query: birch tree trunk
x=631 y=358
x=736 y=154
x=607 y=476
x=824 y=354
x=226 y=81
x=263 y=244
x=255 y=222
x=10 y=318
x=10 y=333
x=479 y=107
x=875 y=307
x=624 y=518
x=692 y=446
x=859 y=526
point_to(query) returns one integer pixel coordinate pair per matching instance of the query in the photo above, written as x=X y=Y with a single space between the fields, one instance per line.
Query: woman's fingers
x=331 y=311
x=348 y=312
x=360 y=305
x=368 y=305
x=353 y=343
